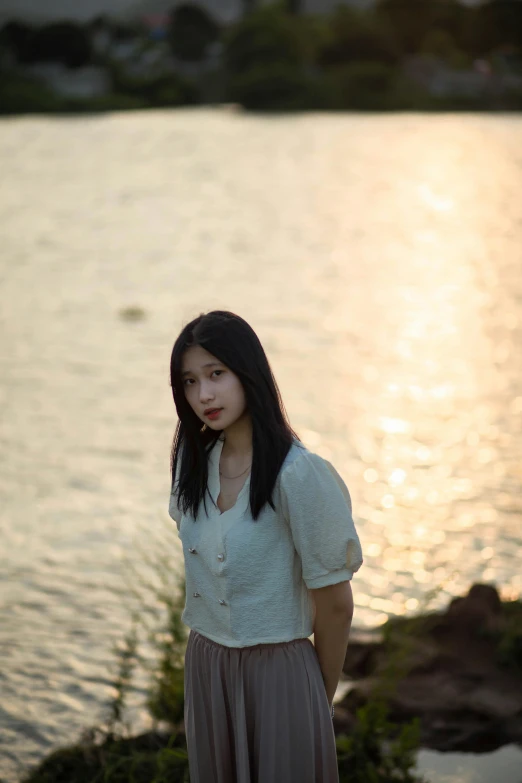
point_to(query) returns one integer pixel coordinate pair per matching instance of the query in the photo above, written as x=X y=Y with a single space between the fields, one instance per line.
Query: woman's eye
x=186 y=381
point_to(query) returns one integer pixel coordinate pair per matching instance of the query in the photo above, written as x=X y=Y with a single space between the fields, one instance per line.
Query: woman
x=270 y=547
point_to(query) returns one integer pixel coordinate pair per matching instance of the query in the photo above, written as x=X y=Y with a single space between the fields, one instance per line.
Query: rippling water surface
x=378 y=259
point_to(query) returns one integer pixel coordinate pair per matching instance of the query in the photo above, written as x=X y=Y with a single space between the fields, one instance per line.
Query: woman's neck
x=238 y=440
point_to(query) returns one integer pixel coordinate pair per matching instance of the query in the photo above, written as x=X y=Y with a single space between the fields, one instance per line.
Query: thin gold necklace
x=234 y=477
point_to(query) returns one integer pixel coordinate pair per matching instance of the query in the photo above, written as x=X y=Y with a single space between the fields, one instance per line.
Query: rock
x=482 y=607
x=447 y=672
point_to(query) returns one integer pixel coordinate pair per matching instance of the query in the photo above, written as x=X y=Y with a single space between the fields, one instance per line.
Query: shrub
x=101 y=103
x=361 y=85
x=378 y=751
x=277 y=87
x=21 y=95
x=167 y=89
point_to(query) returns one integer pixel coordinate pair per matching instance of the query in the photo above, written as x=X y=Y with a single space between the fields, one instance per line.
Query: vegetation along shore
x=393 y=55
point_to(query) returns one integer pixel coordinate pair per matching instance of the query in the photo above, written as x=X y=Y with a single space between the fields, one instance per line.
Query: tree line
x=275 y=56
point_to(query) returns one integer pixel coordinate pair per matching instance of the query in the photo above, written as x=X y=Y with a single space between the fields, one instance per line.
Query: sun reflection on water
x=434 y=430
x=384 y=280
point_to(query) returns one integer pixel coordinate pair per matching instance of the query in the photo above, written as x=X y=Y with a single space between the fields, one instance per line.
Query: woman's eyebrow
x=208 y=364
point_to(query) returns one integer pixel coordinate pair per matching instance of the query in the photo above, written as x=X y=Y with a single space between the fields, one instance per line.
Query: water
x=378 y=259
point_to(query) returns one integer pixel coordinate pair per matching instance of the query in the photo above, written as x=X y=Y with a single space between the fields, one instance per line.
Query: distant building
x=157 y=25
x=87 y=82
x=482 y=80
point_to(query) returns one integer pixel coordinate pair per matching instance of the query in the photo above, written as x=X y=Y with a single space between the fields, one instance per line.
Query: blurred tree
x=441 y=43
x=457 y=20
x=265 y=37
x=294 y=6
x=410 y=20
x=191 y=32
x=499 y=24
x=475 y=29
x=63 y=42
x=266 y=57
x=357 y=36
x=17 y=36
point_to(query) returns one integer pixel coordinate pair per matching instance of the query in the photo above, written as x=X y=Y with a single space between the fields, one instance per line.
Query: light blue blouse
x=248 y=582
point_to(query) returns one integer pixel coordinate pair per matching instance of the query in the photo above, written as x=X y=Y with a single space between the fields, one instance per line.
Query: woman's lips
x=214 y=414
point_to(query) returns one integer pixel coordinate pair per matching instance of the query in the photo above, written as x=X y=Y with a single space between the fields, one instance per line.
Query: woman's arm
x=333 y=619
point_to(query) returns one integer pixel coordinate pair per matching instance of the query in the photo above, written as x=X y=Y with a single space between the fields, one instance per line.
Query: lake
x=378 y=258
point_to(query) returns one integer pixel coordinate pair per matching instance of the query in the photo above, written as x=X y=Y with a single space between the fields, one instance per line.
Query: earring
x=204 y=427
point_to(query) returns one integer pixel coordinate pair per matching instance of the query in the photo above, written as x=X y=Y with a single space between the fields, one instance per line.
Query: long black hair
x=233 y=341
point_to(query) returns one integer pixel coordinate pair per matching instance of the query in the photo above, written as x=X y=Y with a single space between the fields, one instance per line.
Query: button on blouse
x=251 y=577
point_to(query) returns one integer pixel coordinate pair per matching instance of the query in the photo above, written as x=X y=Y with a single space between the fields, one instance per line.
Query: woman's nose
x=205 y=393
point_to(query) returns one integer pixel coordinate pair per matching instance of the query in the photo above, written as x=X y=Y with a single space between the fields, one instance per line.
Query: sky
x=63 y=9
x=83 y=10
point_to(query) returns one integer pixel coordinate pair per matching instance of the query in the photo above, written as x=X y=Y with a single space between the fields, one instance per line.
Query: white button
x=196 y=595
x=221 y=557
x=223 y=603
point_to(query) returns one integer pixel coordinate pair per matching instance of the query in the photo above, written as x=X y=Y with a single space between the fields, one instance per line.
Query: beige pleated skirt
x=257 y=714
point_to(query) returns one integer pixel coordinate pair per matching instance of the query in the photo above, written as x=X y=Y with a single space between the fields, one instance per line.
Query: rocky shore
x=460 y=672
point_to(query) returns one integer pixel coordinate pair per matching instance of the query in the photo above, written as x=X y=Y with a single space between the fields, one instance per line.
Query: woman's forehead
x=195 y=357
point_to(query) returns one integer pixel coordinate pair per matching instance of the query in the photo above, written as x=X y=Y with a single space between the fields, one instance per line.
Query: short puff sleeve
x=317 y=505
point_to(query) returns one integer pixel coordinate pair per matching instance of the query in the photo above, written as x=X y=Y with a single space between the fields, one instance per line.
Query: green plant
x=107 y=753
x=160 y=598
x=127 y=659
x=114 y=761
x=377 y=751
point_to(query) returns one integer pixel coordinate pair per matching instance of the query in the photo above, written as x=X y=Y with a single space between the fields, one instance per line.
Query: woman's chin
x=215 y=425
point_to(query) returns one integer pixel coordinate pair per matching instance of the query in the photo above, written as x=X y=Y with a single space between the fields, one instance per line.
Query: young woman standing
x=270 y=547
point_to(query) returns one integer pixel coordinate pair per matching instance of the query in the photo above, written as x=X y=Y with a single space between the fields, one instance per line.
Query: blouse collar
x=214 y=485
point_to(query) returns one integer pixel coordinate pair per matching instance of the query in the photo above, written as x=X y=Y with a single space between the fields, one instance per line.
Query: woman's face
x=208 y=384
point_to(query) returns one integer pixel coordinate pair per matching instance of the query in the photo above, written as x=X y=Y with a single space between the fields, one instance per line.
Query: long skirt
x=257 y=714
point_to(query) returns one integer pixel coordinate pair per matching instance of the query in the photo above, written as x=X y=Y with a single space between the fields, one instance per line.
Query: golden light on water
x=441 y=382
x=394 y=425
x=397 y=477
x=436 y=201
x=383 y=280
x=388 y=501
